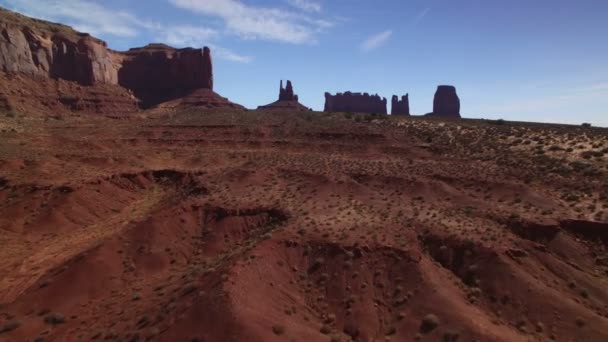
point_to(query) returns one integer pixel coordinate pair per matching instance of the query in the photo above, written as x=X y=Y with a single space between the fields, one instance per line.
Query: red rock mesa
x=355 y=102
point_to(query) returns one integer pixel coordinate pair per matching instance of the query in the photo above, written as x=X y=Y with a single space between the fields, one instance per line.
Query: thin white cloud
x=251 y=22
x=186 y=35
x=571 y=105
x=229 y=55
x=420 y=16
x=306 y=5
x=84 y=15
x=600 y=87
x=585 y=94
x=376 y=41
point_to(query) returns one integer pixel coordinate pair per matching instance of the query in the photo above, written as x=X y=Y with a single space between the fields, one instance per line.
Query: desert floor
x=260 y=226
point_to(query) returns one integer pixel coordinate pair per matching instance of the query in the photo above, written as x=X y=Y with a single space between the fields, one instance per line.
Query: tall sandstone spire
x=287 y=100
x=287 y=94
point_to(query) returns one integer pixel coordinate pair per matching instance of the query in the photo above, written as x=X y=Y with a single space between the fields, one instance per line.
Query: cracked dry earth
x=301 y=227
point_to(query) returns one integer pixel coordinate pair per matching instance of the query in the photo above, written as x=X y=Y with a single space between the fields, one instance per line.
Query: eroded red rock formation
x=47 y=96
x=288 y=100
x=154 y=73
x=355 y=102
x=446 y=103
x=157 y=72
x=200 y=98
x=287 y=94
x=37 y=48
x=400 y=107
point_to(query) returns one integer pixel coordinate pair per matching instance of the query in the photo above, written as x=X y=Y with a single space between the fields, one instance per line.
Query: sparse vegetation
x=54 y=318
x=278 y=329
x=10 y=326
x=429 y=323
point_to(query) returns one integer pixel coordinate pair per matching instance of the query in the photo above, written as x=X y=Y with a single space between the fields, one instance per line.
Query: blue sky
x=540 y=60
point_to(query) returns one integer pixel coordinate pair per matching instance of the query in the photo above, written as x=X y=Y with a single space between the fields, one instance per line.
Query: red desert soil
x=285 y=226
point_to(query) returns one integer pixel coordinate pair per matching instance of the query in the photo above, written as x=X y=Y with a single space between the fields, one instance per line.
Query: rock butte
x=157 y=72
x=355 y=102
x=55 y=53
x=400 y=107
x=287 y=100
x=446 y=103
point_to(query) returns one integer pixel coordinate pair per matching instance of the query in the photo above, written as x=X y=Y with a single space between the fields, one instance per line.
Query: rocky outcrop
x=589 y=230
x=446 y=103
x=200 y=98
x=155 y=73
x=287 y=94
x=355 y=102
x=16 y=54
x=40 y=96
x=400 y=107
x=73 y=57
x=48 y=68
x=288 y=100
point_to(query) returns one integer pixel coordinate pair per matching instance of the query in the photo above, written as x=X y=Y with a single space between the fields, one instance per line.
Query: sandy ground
x=231 y=226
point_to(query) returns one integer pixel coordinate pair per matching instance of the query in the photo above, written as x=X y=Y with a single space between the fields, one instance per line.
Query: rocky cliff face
x=288 y=100
x=355 y=102
x=400 y=107
x=47 y=68
x=17 y=56
x=157 y=73
x=154 y=73
x=73 y=57
x=446 y=103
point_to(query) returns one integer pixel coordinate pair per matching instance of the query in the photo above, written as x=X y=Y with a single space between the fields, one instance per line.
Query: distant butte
x=355 y=102
x=446 y=103
x=287 y=100
x=157 y=72
x=400 y=107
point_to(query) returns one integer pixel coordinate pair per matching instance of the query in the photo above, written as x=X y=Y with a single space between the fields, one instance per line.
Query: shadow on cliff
x=153 y=81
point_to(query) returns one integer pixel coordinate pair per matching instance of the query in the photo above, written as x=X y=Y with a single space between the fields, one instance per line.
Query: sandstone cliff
x=38 y=48
x=155 y=73
x=355 y=102
x=47 y=67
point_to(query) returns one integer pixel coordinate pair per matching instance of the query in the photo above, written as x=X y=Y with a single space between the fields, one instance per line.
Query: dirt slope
x=268 y=226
